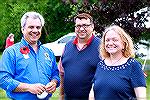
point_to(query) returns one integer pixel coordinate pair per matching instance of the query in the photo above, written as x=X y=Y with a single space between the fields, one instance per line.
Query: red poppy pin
x=25 y=50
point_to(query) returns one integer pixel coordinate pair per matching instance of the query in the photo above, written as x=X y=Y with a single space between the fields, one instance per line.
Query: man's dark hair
x=84 y=16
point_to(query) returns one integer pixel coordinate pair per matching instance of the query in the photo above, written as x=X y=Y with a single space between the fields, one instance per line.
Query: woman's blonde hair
x=128 y=50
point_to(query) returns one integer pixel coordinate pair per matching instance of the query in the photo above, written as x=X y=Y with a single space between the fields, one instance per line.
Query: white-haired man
x=28 y=69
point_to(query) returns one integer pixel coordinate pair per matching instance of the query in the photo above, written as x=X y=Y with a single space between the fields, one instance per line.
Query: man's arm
x=32 y=88
x=55 y=72
x=7 y=70
x=61 y=87
x=22 y=87
x=61 y=72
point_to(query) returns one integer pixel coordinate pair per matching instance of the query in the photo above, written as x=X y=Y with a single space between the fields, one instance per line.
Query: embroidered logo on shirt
x=25 y=51
x=46 y=56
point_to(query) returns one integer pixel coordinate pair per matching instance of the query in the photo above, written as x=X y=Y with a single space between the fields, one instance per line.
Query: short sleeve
x=137 y=75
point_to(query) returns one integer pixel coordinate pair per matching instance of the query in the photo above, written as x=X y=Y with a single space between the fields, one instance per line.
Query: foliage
x=54 y=13
x=58 y=15
x=55 y=16
x=120 y=12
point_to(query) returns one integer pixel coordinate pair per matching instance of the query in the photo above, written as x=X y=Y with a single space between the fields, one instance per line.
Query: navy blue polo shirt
x=79 y=68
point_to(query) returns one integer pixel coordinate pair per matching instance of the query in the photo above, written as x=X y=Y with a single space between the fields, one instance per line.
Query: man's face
x=83 y=28
x=32 y=30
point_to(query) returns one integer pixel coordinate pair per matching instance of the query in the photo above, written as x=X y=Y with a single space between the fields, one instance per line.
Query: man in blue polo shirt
x=79 y=60
x=29 y=69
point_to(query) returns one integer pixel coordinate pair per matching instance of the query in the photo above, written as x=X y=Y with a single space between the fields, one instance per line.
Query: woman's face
x=113 y=42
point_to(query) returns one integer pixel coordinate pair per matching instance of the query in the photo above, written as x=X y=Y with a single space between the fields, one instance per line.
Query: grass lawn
x=148 y=85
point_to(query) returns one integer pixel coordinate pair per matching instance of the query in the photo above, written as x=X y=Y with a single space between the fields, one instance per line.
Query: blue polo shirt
x=35 y=67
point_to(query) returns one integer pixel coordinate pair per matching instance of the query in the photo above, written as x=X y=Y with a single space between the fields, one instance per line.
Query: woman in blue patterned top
x=118 y=76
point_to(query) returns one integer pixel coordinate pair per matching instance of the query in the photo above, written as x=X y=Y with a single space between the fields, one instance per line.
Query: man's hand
x=51 y=87
x=36 y=88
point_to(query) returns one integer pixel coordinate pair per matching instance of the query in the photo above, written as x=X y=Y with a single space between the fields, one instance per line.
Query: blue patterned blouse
x=118 y=82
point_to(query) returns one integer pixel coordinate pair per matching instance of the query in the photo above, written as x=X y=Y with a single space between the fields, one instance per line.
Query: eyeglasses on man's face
x=83 y=25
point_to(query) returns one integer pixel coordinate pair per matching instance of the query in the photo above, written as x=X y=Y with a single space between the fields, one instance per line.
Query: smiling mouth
x=82 y=33
x=34 y=34
x=112 y=46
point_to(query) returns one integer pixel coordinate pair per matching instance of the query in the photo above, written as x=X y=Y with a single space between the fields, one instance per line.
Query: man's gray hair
x=33 y=15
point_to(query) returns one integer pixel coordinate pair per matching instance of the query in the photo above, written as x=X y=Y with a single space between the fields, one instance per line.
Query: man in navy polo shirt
x=79 y=60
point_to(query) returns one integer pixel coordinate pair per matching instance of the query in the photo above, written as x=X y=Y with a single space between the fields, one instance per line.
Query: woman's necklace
x=112 y=63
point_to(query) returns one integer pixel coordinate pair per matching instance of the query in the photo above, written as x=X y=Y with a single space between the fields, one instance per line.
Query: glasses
x=84 y=26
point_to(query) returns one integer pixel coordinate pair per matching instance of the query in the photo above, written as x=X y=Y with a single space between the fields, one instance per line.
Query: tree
x=59 y=15
x=120 y=12
x=54 y=12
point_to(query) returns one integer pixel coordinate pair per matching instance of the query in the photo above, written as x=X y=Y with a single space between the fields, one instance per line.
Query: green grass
x=3 y=95
x=55 y=96
x=148 y=85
